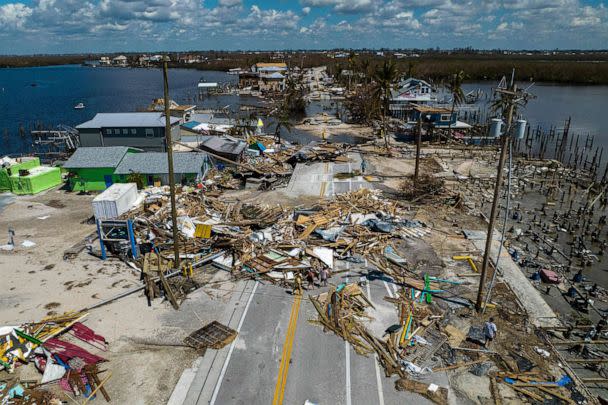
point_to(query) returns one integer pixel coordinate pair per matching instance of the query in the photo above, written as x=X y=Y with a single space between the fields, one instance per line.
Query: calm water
x=554 y=103
x=57 y=89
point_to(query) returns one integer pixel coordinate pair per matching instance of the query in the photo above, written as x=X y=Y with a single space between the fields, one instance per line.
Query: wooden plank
x=454 y=366
x=528 y=393
x=310 y=229
x=556 y=394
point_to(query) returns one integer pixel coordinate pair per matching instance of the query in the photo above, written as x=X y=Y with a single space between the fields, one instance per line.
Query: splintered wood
x=342 y=311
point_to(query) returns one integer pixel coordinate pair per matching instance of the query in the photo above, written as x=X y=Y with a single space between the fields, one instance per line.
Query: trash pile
x=269 y=242
x=67 y=369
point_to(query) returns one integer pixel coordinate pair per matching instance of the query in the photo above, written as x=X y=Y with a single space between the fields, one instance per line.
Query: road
x=319 y=367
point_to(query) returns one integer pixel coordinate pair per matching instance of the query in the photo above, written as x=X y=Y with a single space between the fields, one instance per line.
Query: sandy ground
x=142 y=356
x=360 y=131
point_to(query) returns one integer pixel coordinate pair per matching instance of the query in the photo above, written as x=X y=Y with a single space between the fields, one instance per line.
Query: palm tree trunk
x=451 y=115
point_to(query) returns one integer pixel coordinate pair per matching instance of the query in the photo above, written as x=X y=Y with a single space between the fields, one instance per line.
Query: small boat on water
x=79 y=106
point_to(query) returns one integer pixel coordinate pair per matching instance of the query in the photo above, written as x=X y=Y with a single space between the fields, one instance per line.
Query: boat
x=79 y=106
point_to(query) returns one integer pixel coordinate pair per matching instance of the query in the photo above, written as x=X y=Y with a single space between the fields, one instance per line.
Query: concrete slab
x=319 y=179
x=539 y=311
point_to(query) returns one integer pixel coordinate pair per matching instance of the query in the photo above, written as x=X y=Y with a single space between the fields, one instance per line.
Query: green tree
x=294 y=101
x=137 y=178
x=384 y=77
x=454 y=86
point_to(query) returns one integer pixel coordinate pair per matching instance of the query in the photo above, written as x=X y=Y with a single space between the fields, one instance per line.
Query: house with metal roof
x=92 y=168
x=143 y=130
x=152 y=168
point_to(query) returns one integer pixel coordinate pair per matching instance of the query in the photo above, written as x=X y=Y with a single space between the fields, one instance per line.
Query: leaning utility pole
x=169 y=142
x=418 y=142
x=511 y=97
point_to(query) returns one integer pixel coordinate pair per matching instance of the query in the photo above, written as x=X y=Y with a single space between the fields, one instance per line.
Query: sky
x=83 y=26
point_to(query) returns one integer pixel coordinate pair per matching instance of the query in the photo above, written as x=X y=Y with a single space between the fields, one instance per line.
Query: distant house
x=120 y=61
x=27 y=176
x=153 y=167
x=105 y=61
x=249 y=80
x=144 y=130
x=272 y=82
x=410 y=92
x=270 y=67
x=92 y=168
x=265 y=77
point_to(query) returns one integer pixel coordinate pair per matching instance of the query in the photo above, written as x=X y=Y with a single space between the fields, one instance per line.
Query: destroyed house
x=224 y=146
x=92 y=168
x=144 y=130
x=152 y=168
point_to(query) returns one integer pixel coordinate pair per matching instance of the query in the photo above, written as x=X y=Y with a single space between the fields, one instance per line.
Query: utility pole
x=511 y=97
x=169 y=142
x=418 y=141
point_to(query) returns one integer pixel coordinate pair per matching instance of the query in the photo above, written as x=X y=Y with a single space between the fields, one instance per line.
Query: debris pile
x=67 y=369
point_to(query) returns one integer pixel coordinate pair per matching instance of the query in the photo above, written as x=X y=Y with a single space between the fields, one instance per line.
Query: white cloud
x=191 y=24
x=13 y=15
x=230 y=3
x=344 y=6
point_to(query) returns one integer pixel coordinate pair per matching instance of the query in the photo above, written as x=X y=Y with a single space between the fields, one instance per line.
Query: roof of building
x=275 y=75
x=413 y=82
x=97 y=156
x=271 y=65
x=156 y=163
x=225 y=144
x=428 y=109
x=190 y=124
x=127 y=120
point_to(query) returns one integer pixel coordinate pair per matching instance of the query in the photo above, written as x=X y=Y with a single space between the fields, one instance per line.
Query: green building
x=27 y=176
x=92 y=168
x=152 y=168
x=97 y=168
x=10 y=166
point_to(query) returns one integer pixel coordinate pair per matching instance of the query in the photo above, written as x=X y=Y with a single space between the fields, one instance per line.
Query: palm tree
x=364 y=68
x=455 y=87
x=352 y=64
x=384 y=76
x=282 y=122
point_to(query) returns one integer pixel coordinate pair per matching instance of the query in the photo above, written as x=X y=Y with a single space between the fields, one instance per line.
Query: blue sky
x=69 y=26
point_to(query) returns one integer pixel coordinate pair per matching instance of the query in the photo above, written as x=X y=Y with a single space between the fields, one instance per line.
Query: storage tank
x=520 y=129
x=115 y=201
x=495 y=127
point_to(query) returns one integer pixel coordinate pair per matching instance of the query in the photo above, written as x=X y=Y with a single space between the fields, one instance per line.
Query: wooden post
x=497 y=189
x=169 y=141
x=418 y=142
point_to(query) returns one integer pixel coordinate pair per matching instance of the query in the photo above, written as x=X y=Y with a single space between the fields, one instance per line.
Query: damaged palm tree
x=384 y=77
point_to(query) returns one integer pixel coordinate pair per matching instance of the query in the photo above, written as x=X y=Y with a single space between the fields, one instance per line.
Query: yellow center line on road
x=279 y=389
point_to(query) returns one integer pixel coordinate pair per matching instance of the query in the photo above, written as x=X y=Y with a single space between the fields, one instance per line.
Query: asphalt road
x=322 y=368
